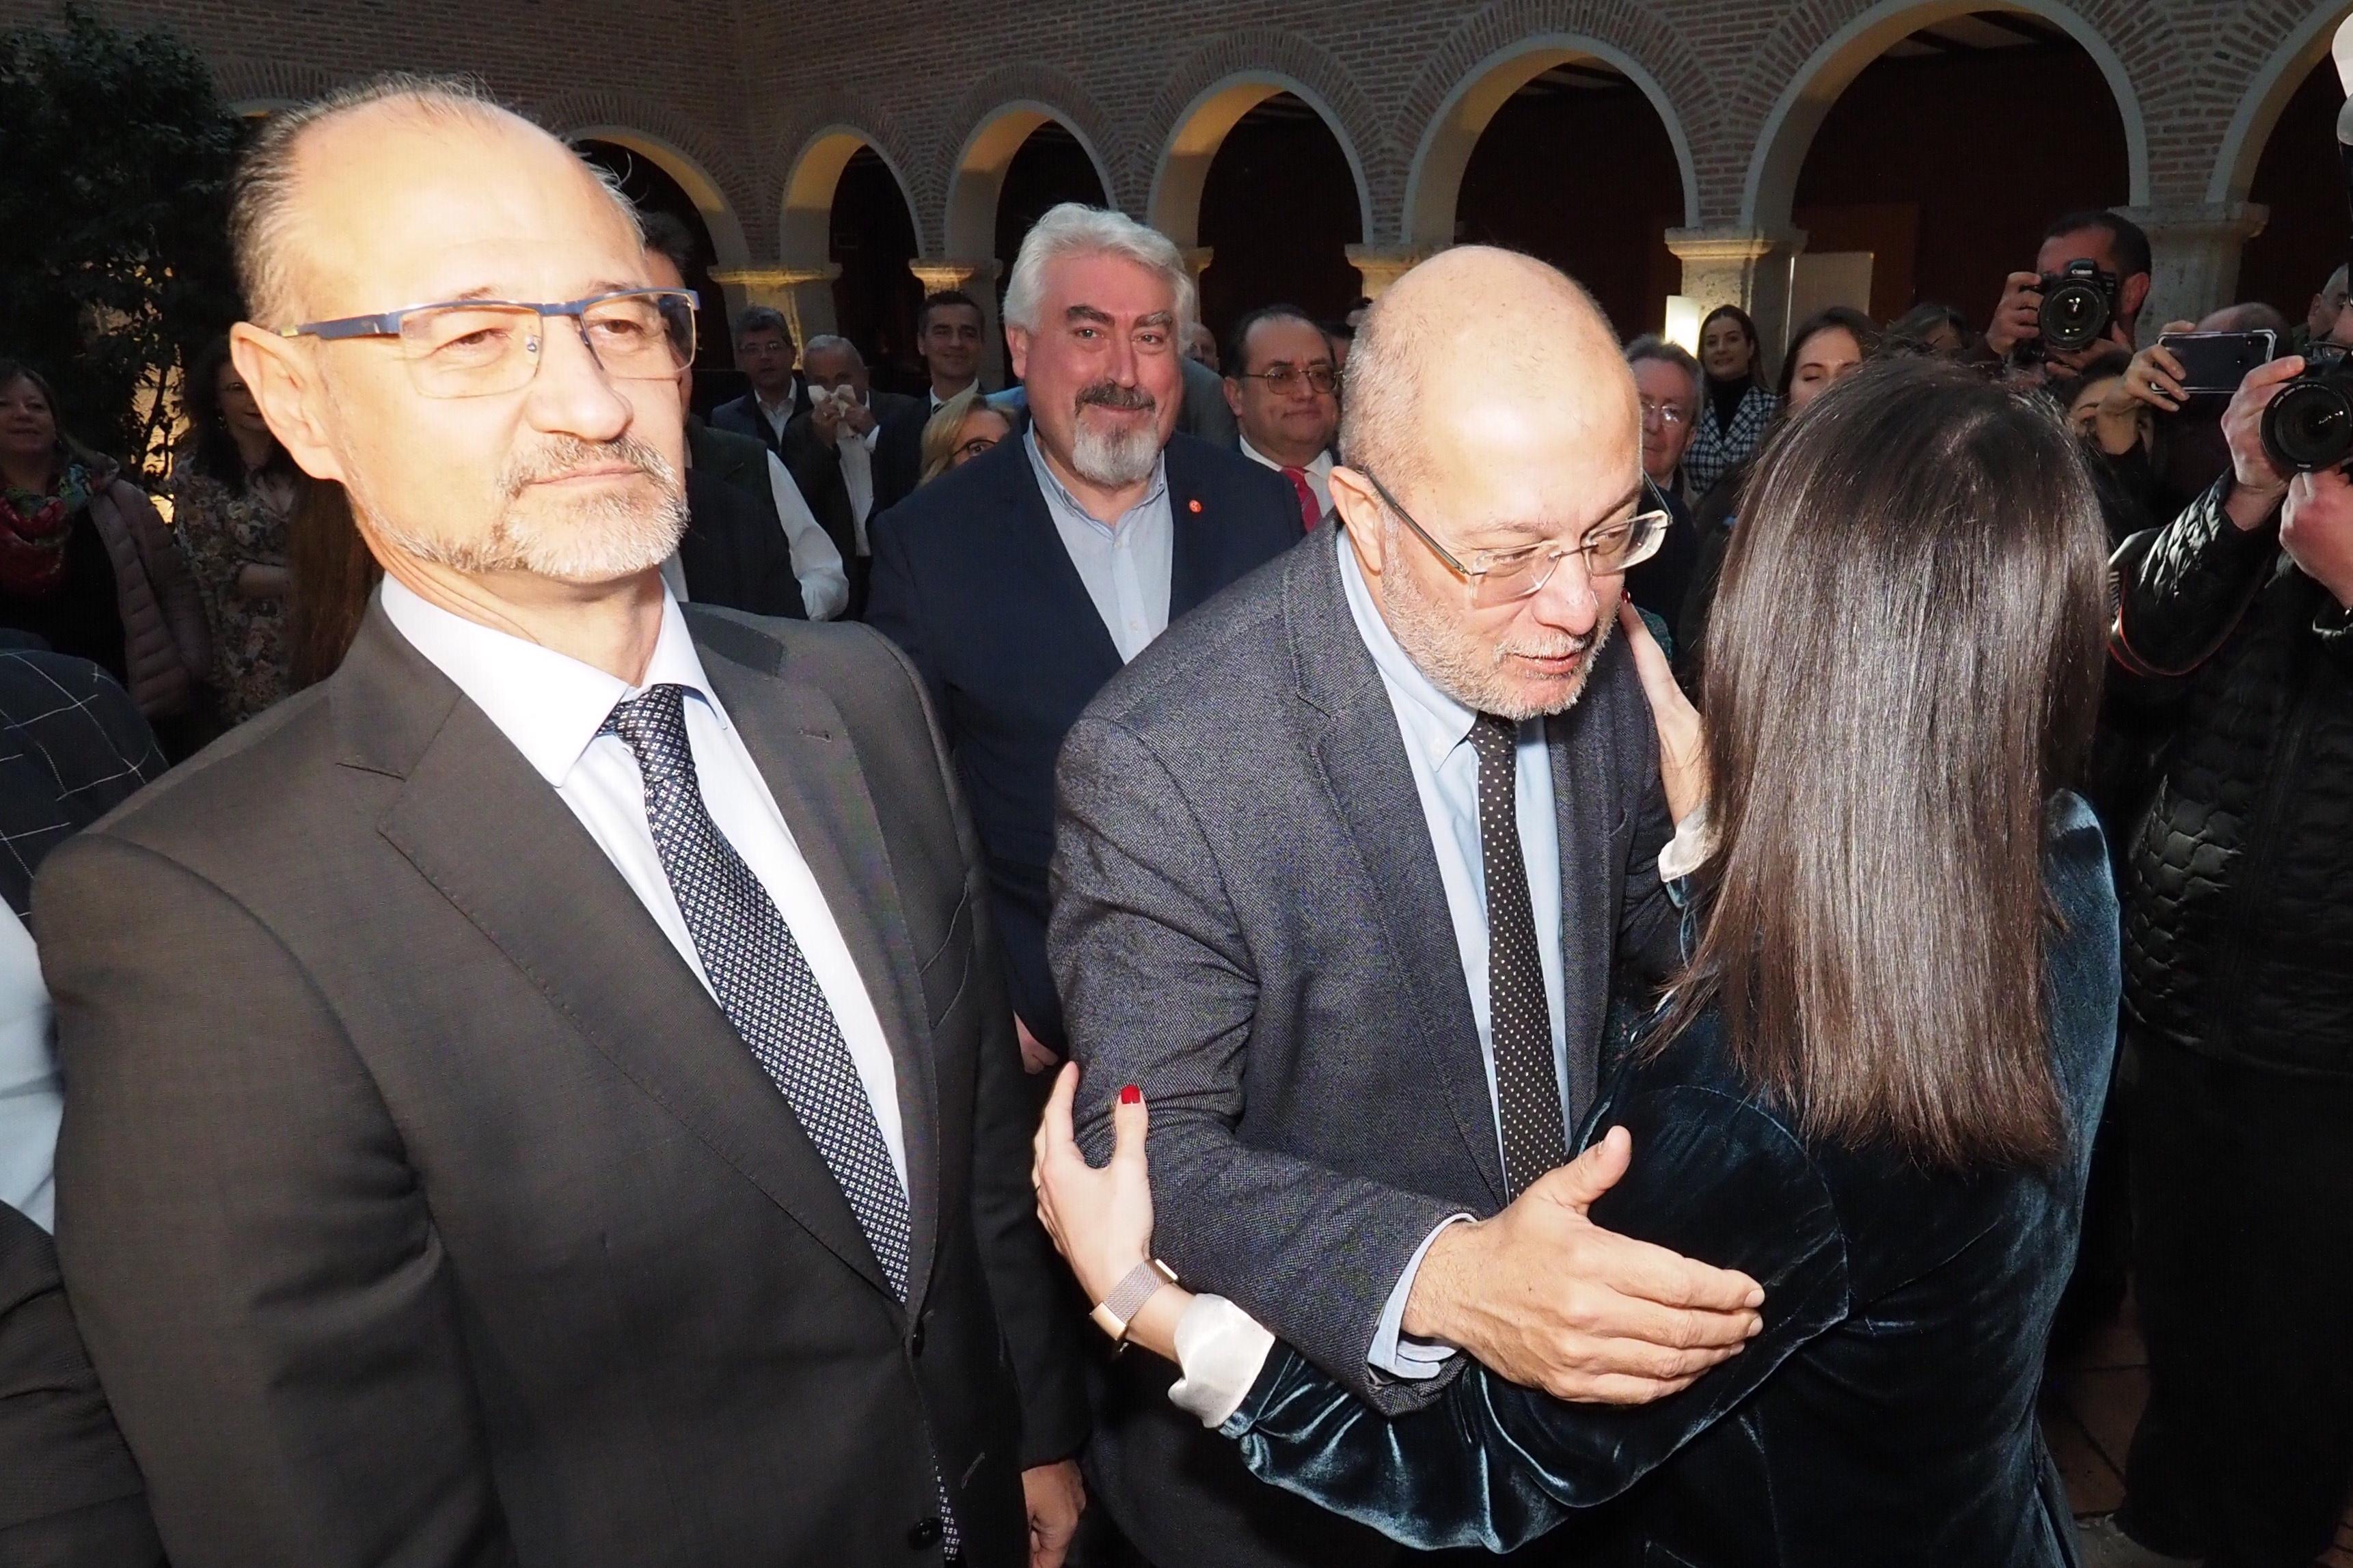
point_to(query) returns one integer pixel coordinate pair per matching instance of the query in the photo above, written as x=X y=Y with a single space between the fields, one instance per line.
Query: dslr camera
x=2308 y=425
x=2077 y=306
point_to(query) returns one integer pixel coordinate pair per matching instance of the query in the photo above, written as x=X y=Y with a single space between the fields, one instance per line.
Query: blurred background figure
x=1736 y=408
x=233 y=494
x=1930 y=327
x=961 y=429
x=88 y=567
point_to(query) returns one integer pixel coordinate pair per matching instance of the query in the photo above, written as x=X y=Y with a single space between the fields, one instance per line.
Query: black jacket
x=816 y=466
x=1886 y=1412
x=972 y=580
x=734 y=554
x=2237 y=918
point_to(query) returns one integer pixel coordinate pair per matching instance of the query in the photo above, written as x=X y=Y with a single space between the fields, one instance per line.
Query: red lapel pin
x=1193 y=505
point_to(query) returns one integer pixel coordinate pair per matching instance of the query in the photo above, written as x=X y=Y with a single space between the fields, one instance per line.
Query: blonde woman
x=961 y=429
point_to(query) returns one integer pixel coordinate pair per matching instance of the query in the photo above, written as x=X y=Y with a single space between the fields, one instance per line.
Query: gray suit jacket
x=419 y=1207
x=1248 y=922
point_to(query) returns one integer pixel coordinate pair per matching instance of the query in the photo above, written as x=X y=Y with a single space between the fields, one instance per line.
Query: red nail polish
x=1131 y=1095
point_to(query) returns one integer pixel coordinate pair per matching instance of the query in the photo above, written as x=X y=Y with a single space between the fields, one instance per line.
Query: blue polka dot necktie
x=1519 y=1017
x=764 y=986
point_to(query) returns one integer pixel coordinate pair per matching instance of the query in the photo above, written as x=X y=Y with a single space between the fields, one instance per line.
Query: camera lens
x=2309 y=425
x=2073 y=316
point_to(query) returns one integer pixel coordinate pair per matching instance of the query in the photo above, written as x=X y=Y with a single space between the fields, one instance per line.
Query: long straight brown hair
x=1903 y=664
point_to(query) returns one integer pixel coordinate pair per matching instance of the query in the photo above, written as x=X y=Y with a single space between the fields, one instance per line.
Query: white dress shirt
x=31 y=1094
x=551 y=708
x=858 y=476
x=778 y=415
x=817 y=564
x=1125 y=563
x=1319 y=473
x=1437 y=734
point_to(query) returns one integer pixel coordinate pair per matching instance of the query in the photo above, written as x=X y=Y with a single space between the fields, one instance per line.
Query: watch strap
x=1127 y=1297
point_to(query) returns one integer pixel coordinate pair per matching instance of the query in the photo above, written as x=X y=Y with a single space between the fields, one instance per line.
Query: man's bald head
x=1471 y=327
x=266 y=208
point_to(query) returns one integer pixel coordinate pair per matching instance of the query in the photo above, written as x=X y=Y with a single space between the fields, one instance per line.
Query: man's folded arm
x=1158 y=991
x=250 y=1258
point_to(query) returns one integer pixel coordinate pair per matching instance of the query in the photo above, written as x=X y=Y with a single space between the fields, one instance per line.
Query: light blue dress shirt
x=1437 y=734
x=1125 y=563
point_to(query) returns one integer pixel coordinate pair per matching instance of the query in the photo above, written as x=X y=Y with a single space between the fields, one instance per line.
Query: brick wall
x=736 y=86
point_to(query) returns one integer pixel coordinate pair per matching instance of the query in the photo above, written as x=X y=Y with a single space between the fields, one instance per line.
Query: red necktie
x=1310 y=511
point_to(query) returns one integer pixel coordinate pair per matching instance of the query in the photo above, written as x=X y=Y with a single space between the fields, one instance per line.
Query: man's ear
x=1360 y=513
x=284 y=382
x=2132 y=294
x=1233 y=393
x=1016 y=348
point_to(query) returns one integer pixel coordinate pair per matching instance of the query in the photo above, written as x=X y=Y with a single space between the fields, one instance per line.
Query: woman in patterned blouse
x=1736 y=409
x=233 y=490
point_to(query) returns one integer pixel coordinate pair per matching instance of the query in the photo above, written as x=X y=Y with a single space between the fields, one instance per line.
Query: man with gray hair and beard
x=1343 y=870
x=1022 y=581
x=542 y=1096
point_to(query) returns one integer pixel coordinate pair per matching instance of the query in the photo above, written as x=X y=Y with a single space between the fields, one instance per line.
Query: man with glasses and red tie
x=1344 y=869
x=545 y=1095
x=1285 y=394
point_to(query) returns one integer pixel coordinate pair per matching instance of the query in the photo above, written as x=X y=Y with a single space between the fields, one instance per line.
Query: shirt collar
x=1059 y=498
x=783 y=404
x=548 y=705
x=1433 y=723
x=1321 y=467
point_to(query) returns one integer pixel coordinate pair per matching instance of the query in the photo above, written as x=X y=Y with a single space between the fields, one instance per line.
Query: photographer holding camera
x=2090 y=280
x=2235 y=626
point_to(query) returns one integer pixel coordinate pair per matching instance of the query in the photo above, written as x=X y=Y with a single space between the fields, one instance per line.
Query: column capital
x=1732 y=245
x=1380 y=266
x=1197 y=260
x=938 y=274
x=758 y=281
x=2218 y=223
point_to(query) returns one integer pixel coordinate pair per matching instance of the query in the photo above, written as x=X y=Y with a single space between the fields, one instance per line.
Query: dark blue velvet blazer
x=1886 y=1411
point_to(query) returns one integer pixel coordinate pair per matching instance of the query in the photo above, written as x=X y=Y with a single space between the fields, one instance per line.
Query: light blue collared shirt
x=1437 y=734
x=1125 y=563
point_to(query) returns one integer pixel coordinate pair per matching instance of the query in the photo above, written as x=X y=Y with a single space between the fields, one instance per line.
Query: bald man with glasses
x=545 y=1095
x=1345 y=868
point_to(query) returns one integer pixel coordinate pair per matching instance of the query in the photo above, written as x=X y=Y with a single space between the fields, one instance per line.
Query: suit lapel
x=1581 y=772
x=801 y=743
x=1192 y=556
x=493 y=838
x=1364 y=761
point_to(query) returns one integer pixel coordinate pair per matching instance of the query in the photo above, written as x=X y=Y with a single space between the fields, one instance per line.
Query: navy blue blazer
x=972 y=580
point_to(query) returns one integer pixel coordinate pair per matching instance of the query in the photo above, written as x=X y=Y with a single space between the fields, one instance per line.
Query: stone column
x=2194 y=258
x=1750 y=267
x=804 y=295
x=977 y=279
x=1380 y=266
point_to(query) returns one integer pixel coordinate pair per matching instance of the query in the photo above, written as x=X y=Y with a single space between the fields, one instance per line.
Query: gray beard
x=599 y=540
x=1114 y=460
x=1469 y=672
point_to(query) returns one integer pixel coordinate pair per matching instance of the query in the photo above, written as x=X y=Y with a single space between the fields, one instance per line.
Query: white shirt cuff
x=1220 y=1350
x=1692 y=847
x=1395 y=1352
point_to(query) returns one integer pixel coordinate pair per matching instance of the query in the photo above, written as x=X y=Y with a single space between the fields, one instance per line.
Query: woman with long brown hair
x=1872 y=1086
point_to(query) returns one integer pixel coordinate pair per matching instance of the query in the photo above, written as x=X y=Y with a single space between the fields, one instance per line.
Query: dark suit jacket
x=816 y=466
x=70 y=1495
x=742 y=416
x=734 y=554
x=1886 y=1412
x=419 y=1206
x=972 y=580
x=1248 y=922
x=898 y=452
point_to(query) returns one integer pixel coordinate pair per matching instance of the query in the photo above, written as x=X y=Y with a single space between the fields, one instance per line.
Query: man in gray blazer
x=545 y=1096
x=1344 y=868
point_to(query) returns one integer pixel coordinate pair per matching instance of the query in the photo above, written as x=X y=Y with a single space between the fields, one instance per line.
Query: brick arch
x=717 y=185
x=1201 y=99
x=992 y=121
x=1802 y=66
x=2274 y=75
x=812 y=150
x=1498 y=49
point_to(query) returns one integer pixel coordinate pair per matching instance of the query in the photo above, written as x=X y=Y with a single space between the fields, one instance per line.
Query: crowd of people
x=1592 y=945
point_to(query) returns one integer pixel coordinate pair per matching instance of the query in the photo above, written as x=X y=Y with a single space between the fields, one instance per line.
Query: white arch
x=1434 y=185
x=2274 y=83
x=1789 y=130
x=979 y=172
x=727 y=230
x=1173 y=206
x=806 y=236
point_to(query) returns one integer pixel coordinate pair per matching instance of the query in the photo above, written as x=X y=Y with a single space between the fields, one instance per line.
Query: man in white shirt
x=1285 y=394
x=831 y=450
x=564 y=1111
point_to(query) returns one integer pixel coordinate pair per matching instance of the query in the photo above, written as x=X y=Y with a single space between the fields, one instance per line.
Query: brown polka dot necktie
x=1527 y=1083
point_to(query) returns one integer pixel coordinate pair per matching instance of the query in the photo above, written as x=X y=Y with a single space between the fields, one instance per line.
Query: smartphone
x=2214 y=363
